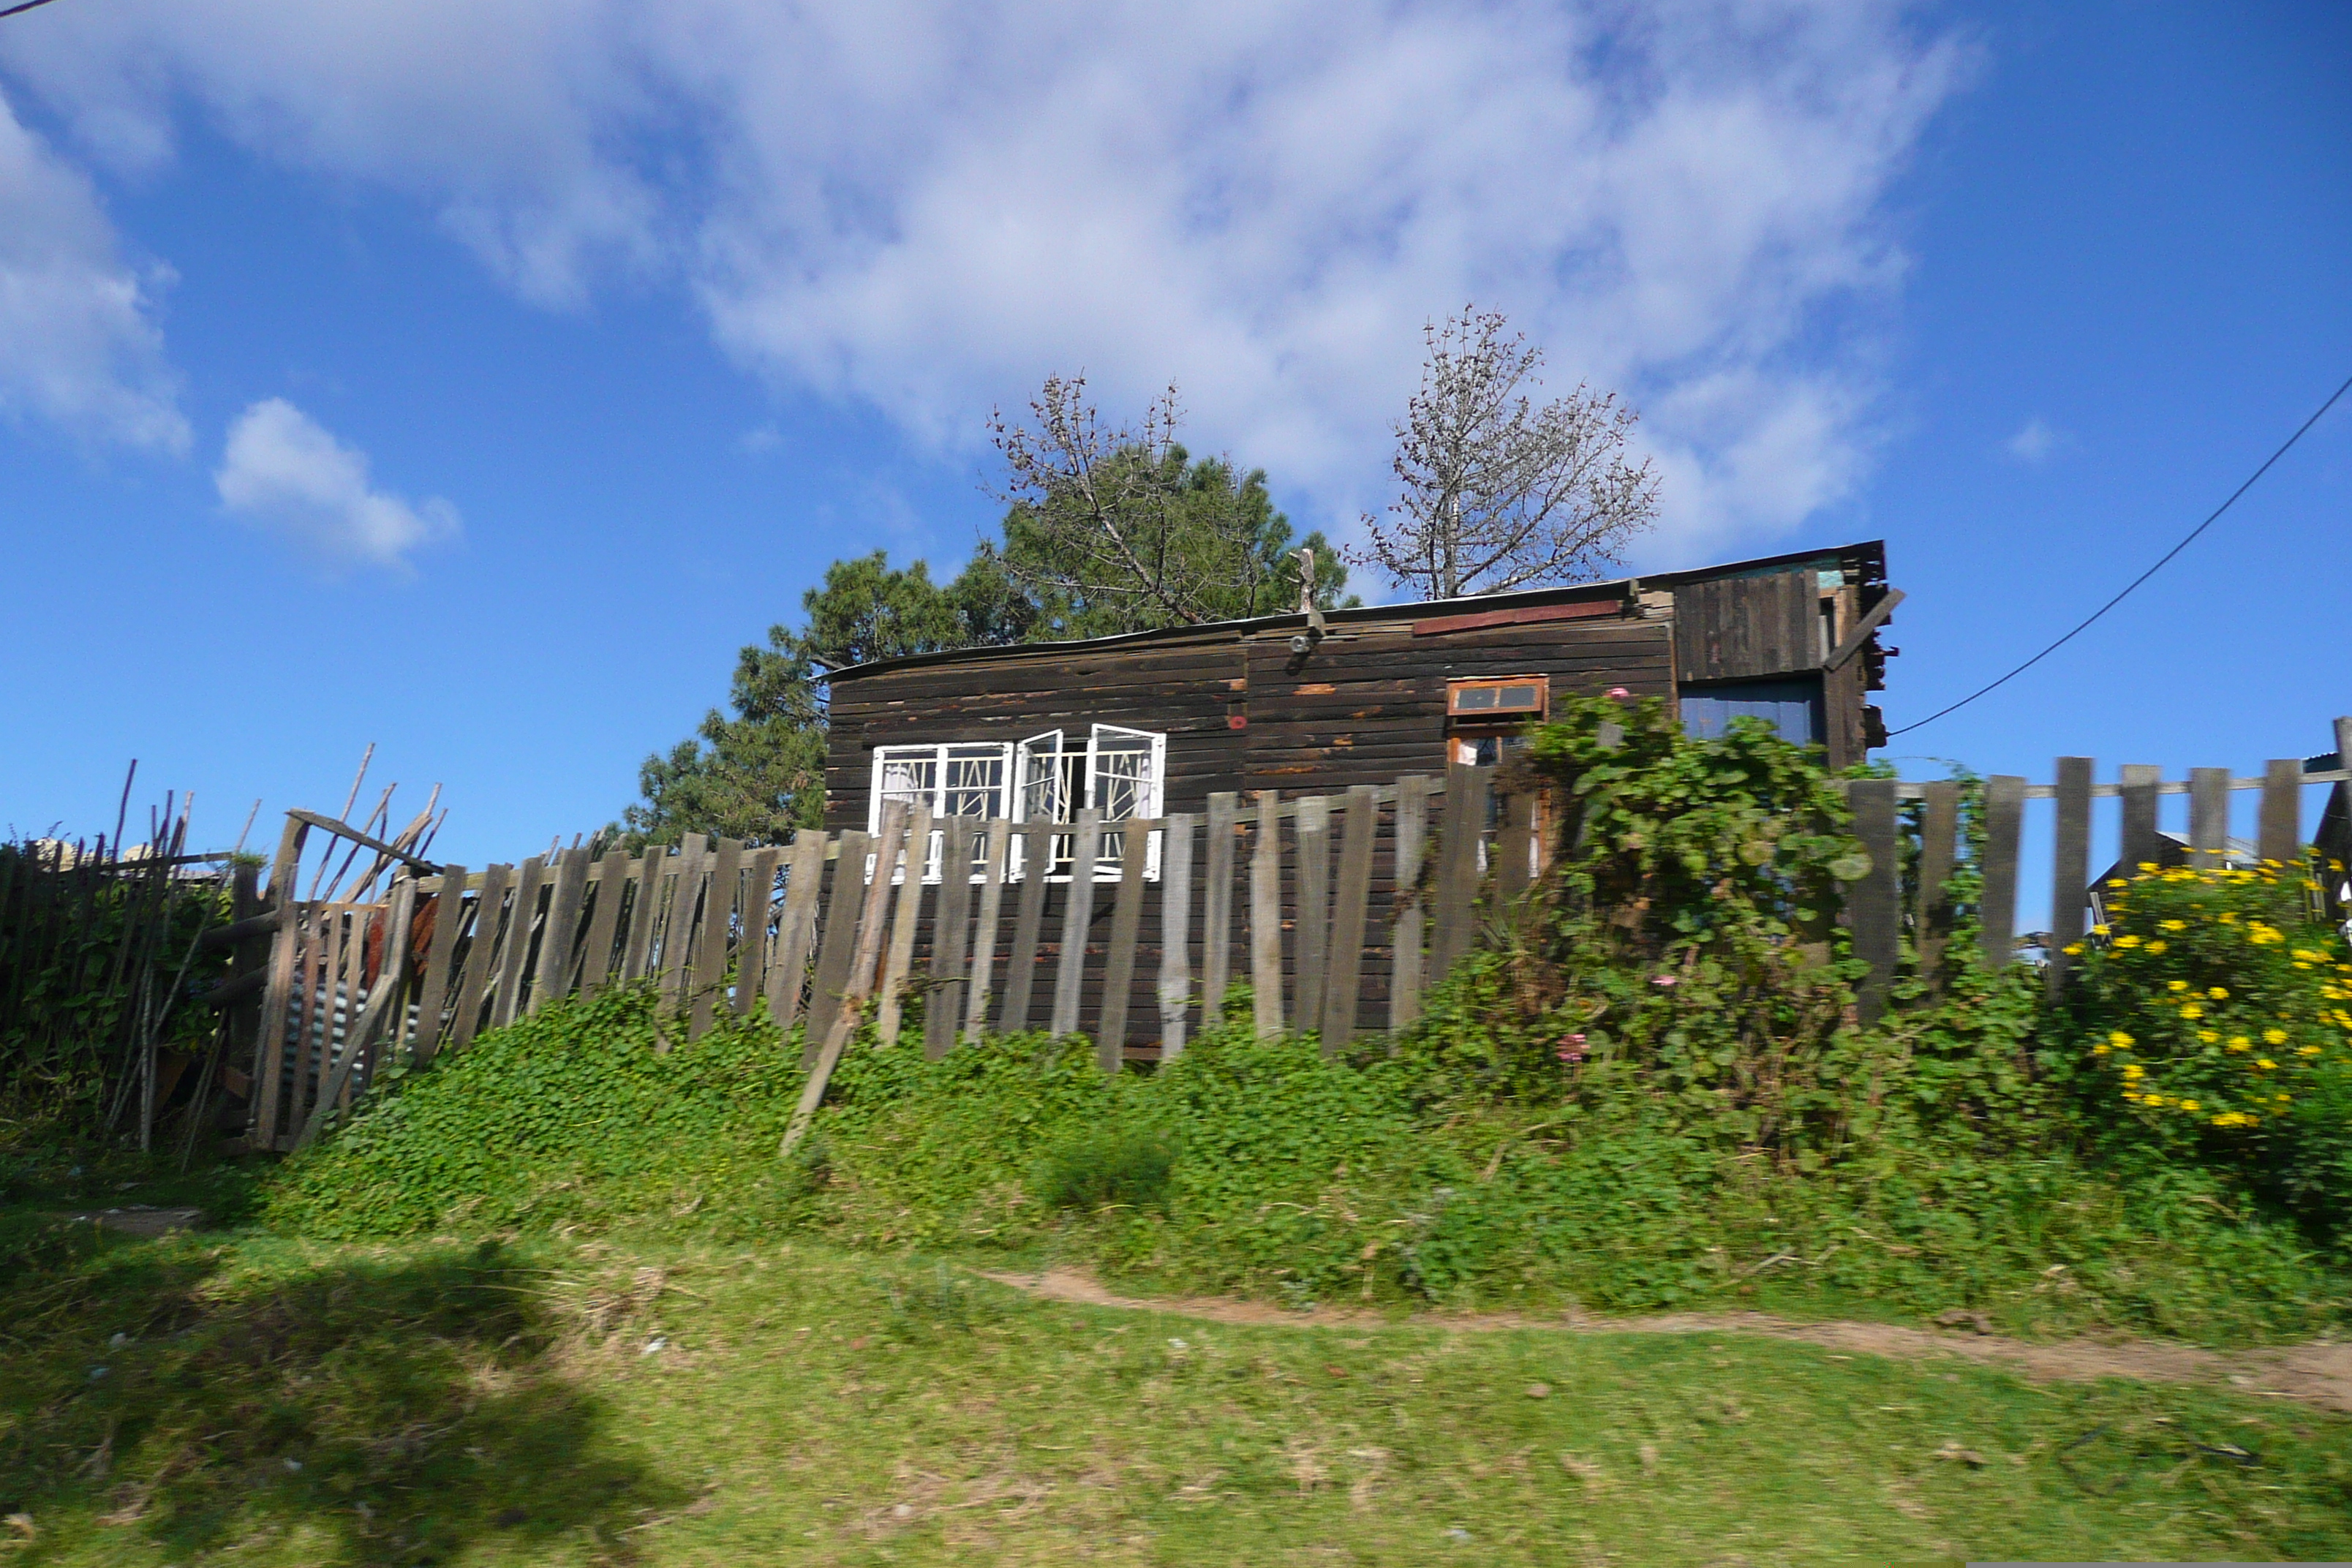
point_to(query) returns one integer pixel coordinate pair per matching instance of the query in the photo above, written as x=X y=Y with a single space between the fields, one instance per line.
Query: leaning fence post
x=2070 y=871
x=1077 y=917
x=2004 y=809
x=1874 y=904
x=1265 y=916
x=1939 y=819
x=2208 y=815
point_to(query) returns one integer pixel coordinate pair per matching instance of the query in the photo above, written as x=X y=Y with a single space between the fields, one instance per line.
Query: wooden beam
x=1869 y=622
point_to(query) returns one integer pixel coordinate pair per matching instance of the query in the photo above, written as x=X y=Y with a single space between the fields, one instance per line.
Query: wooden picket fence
x=1338 y=912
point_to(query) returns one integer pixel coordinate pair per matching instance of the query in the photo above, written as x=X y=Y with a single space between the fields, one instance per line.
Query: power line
x=28 y=6
x=2143 y=577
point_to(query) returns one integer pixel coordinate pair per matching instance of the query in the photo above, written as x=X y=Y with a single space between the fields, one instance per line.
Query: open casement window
x=1486 y=719
x=1120 y=773
x=1125 y=771
x=959 y=779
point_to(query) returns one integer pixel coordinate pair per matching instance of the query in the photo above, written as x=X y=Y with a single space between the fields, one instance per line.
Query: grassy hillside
x=251 y=1399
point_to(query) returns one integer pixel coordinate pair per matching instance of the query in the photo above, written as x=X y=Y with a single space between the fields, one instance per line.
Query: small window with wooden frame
x=1484 y=717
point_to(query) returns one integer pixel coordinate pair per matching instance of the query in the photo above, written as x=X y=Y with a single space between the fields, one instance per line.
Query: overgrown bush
x=1106 y=1168
x=2213 y=1011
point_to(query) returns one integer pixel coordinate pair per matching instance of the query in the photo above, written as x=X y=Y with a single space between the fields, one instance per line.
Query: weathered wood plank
x=1931 y=908
x=753 y=952
x=2069 y=872
x=1077 y=917
x=1265 y=916
x=865 y=962
x=1314 y=914
x=2279 y=834
x=1175 y=989
x=553 y=974
x=1457 y=866
x=278 y=1002
x=1021 y=960
x=440 y=964
x=677 y=930
x=481 y=955
x=796 y=926
x=514 y=963
x=981 y=990
x=836 y=947
x=2208 y=815
x=1217 y=904
x=1408 y=925
x=1359 y=828
x=604 y=921
x=2004 y=809
x=890 y=1002
x=1125 y=929
x=383 y=1004
x=644 y=906
x=2140 y=844
x=1515 y=847
x=951 y=933
x=1873 y=905
x=717 y=924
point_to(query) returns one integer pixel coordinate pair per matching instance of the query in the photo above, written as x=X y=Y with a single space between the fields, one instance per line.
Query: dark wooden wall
x=1740 y=628
x=1366 y=705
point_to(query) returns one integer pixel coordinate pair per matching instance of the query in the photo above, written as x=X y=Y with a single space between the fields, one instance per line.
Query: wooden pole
x=873 y=907
x=1265 y=916
x=1406 y=929
x=1217 y=905
x=1175 y=991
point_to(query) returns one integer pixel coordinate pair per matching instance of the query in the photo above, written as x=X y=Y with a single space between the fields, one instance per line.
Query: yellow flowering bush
x=2230 y=1038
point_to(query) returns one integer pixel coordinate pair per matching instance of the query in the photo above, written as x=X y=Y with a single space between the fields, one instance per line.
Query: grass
x=643 y=1400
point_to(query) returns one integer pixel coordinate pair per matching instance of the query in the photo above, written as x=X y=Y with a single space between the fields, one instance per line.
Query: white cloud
x=78 y=345
x=926 y=206
x=2035 y=441
x=287 y=473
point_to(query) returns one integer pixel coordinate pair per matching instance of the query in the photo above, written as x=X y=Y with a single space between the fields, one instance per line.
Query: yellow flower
x=2266 y=1064
x=2120 y=1040
x=2229 y=917
x=2208 y=1036
x=2175 y=986
x=2240 y=1043
x=2133 y=1072
x=2309 y=956
x=2306 y=1050
x=2274 y=1037
x=2192 y=1011
x=2189 y=1105
x=2218 y=993
x=2117 y=882
x=2126 y=941
x=2099 y=931
x=2158 y=946
x=2172 y=925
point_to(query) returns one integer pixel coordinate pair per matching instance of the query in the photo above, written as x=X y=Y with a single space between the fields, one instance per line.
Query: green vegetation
x=561 y=1299
x=243 y=1397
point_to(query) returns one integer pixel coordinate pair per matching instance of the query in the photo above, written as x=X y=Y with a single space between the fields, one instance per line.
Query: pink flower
x=1572 y=1047
x=1664 y=980
x=1619 y=693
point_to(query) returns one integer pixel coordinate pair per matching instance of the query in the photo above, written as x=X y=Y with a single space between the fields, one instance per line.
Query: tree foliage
x=1122 y=530
x=1495 y=492
x=1105 y=532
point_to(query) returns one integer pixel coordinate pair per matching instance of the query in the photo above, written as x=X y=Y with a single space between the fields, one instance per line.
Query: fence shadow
x=395 y=1411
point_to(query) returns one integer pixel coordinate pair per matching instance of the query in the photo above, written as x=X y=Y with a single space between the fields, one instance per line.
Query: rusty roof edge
x=1866 y=557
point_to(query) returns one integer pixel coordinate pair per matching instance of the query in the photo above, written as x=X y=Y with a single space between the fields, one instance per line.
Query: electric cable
x=2135 y=582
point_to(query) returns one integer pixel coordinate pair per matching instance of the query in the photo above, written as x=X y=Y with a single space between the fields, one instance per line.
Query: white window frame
x=1042 y=779
x=935 y=794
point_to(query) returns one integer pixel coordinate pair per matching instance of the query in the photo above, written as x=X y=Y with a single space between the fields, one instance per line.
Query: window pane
x=1520 y=697
x=1469 y=699
x=974 y=781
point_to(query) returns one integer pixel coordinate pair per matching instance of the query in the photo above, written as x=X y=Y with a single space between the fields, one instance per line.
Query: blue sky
x=473 y=381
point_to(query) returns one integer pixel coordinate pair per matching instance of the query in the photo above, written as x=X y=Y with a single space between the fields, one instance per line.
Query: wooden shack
x=1144 y=726
x=1154 y=723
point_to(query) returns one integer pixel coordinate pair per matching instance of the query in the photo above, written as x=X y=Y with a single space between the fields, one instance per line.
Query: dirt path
x=2318 y=1373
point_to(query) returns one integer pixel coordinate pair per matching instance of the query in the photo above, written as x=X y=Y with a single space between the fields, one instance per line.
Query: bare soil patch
x=2318 y=1373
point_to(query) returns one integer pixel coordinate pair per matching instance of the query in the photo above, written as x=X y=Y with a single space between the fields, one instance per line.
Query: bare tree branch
x=1495 y=492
